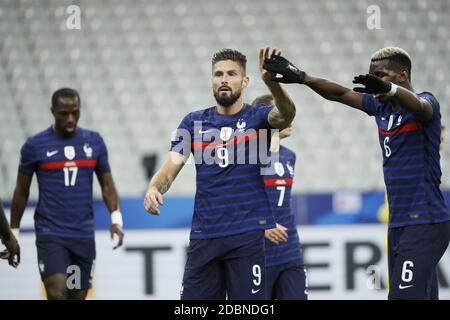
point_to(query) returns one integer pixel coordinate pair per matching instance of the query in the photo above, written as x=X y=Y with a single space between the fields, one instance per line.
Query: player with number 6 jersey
x=409 y=128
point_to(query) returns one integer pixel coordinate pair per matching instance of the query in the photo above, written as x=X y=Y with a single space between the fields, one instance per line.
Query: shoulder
x=288 y=153
x=198 y=115
x=38 y=137
x=429 y=97
x=260 y=107
x=88 y=134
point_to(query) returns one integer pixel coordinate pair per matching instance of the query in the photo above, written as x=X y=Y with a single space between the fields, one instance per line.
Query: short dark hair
x=264 y=99
x=230 y=54
x=65 y=92
x=398 y=58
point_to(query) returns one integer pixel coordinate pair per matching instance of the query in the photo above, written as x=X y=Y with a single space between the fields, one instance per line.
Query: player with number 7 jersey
x=64 y=158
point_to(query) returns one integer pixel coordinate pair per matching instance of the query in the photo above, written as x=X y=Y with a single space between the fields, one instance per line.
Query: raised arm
x=285 y=72
x=411 y=102
x=162 y=180
x=284 y=112
x=111 y=199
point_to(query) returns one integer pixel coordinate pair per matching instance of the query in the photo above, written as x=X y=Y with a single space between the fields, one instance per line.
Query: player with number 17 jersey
x=64 y=168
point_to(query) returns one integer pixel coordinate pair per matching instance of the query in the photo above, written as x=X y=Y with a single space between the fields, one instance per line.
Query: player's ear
x=245 y=82
x=52 y=109
x=403 y=76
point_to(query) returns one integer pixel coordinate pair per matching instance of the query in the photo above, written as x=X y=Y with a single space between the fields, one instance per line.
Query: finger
x=119 y=244
x=160 y=199
x=281 y=236
x=13 y=261
x=274 y=240
x=360 y=89
x=266 y=53
x=284 y=233
x=261 y=57
x=274 y=52
x=154 y=210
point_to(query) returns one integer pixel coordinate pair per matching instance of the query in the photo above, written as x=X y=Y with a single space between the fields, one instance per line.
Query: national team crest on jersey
x=240 y=125
x=279 y=169
x=87 y=150
x=290 y=168
x=69 y=152
x=226 y=133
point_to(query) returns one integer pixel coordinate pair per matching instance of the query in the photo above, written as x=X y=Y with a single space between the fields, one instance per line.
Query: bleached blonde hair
x=397 y=55
x=389 y=52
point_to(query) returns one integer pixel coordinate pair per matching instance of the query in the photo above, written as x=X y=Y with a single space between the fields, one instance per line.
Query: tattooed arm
x=162 y=180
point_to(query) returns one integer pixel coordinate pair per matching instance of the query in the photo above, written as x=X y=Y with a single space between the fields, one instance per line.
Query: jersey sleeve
x=28 y=162
x=102 y=158
x=433 y=102
x=369 y=104
x=262 y=113
x=182 y=136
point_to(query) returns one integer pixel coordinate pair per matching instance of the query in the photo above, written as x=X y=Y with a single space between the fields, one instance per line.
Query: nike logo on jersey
x=204 y=131
x=51 y=153
x=401 y=287
x=255 y=291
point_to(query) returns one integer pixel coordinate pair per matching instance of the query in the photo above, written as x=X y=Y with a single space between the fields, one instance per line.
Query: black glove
x=279 y=65
x=373 y=84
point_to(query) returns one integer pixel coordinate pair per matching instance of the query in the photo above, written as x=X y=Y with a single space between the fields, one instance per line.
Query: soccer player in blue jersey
x=285 y=271
x=64 y=158
x=12 y=252
x=226 y=249
x=409 y=128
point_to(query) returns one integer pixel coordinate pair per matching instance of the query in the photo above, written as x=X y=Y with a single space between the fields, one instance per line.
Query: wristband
x=116 y=218
x=393 y=90
x=15 y=232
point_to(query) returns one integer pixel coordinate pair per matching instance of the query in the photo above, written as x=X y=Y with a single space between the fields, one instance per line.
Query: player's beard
x=227 y=100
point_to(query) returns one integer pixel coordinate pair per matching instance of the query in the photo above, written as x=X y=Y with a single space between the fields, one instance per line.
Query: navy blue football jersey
x=411 y=162
x=64 y=168
x=278 y=184
x=229 y=151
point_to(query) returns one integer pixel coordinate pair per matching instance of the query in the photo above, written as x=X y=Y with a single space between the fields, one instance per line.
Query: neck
x=275 y=143
x=407 y=85
x=61 y=133
x=233 y=109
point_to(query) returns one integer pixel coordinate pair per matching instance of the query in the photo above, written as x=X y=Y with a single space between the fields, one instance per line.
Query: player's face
x=382 y=70
x=228 y=81
x=66 y=113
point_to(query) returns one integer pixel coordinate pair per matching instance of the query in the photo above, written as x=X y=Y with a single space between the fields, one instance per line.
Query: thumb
x=361 y=90
x=160 y=199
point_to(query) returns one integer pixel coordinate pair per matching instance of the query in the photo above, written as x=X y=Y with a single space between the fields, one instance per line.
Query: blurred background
x=140 y=66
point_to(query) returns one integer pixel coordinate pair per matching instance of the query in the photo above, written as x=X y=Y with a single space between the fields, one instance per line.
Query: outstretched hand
x=372 y=84
x=265 y=54
x=282 y=70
